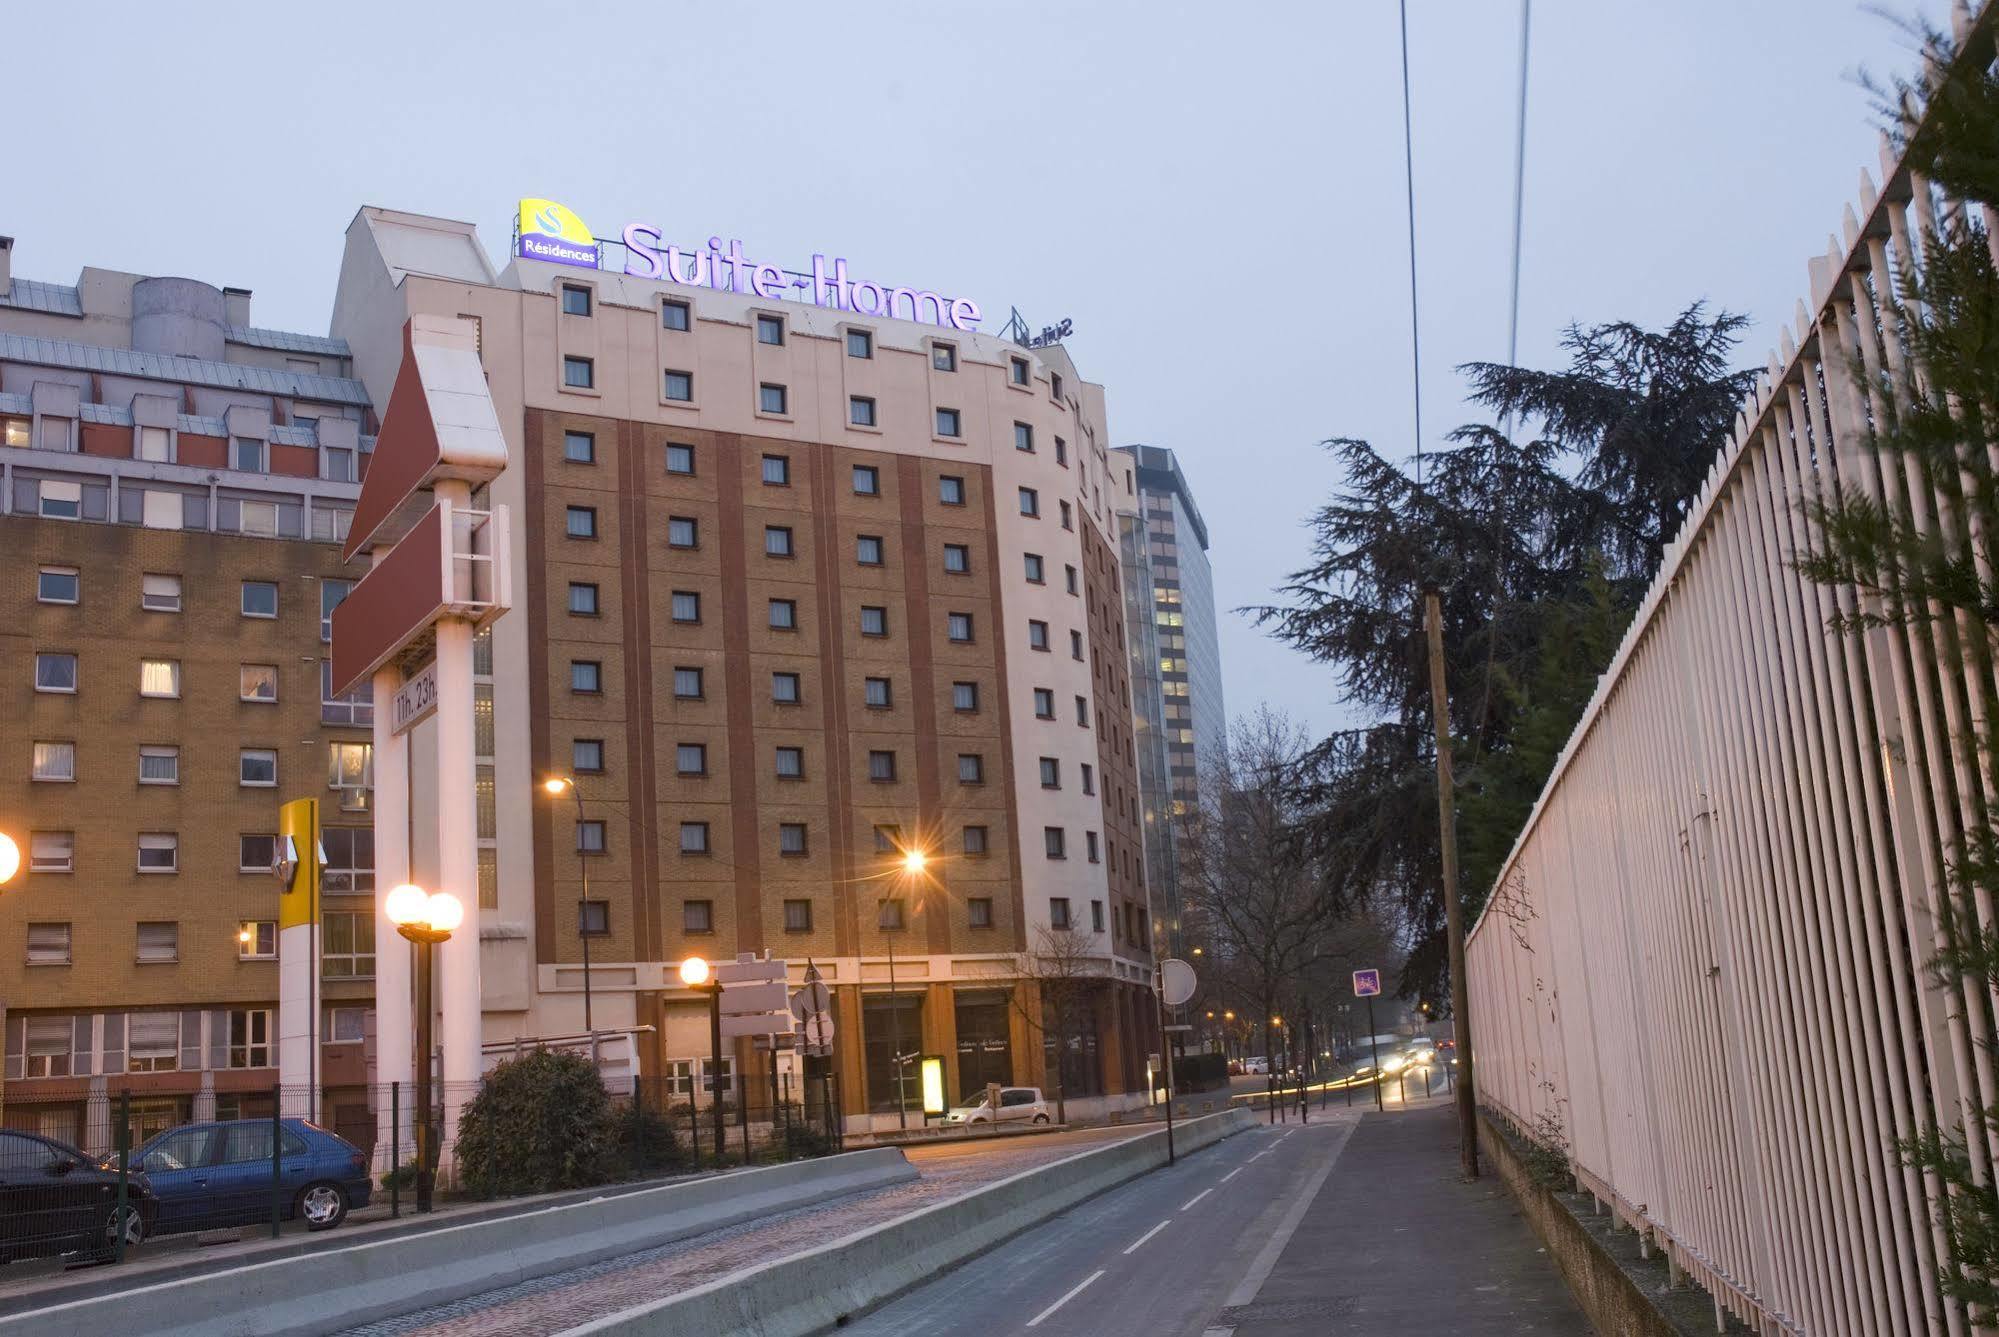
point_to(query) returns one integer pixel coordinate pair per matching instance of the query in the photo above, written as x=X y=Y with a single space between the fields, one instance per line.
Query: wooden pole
x=1454 y=915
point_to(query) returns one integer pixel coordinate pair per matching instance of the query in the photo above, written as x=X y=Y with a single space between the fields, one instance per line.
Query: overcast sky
x=1214 y=193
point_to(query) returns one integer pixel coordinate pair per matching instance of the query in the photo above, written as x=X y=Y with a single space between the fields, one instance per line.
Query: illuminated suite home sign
x=547 y=231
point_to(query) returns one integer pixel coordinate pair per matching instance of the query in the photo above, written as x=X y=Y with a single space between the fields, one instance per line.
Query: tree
x=540 y=1122
x=1066 y=971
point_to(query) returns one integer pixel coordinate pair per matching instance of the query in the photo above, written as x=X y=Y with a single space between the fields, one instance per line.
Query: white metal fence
x=1707 y=956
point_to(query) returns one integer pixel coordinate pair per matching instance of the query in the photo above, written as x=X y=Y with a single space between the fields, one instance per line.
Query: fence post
x=694 y=1122
x=277 y=1158
x=395 y=1150
x=639 y=1124
x=124 y=1171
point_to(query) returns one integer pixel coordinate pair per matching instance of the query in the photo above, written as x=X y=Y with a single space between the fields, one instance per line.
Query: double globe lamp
x=426 y=919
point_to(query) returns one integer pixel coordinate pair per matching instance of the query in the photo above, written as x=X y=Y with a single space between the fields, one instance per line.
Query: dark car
x=56 y=1200
x=208 y=1175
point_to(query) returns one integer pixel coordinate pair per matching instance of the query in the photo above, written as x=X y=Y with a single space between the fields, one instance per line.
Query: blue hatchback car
x=208 y=1175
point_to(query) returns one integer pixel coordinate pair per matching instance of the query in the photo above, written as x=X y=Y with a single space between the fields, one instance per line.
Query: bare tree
x=1066 y=971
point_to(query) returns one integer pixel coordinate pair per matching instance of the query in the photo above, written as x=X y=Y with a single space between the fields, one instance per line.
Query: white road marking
x=1196 y=1198
x=1133 y=1247
x=1231 y=1174
x=1077 y=1290
x=1259 y=1271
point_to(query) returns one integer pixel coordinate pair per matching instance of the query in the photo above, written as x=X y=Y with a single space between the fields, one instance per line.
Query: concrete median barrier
x=816 y=1290
x=336 y=1288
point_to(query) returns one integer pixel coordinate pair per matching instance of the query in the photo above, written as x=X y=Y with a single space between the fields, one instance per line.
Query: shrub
x=540 y=1123
x=402 y=1177
x=1547 y=1152
x=643 y=1141
x=805 y=1136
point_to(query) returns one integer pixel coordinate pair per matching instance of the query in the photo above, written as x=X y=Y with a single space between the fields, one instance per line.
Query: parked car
x=1256 y=1065
x=1017 y=1104
x=56 y=1200
x=207 y=1175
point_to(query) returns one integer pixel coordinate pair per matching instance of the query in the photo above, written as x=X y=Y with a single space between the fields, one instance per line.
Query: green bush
x=644 y=1142
x=1546 y=1153
x=402 y=1177
x=540 y=1123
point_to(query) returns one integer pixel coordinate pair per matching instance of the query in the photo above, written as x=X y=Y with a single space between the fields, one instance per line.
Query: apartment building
x=174 y=481
x=801 y=588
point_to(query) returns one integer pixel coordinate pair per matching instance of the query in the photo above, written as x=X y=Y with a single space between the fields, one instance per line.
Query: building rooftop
x=186 y=370
x=1159 y=471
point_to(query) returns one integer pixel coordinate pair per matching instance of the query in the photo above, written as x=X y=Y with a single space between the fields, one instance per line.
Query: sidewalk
x=1394 y=1242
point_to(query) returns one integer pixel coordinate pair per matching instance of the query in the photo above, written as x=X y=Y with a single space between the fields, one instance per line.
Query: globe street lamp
x=555 y=784
x=10 y=858
x=426 y=919
x=694 y=973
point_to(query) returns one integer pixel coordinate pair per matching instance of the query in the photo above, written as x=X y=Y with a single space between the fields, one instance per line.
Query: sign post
x=1366 y=984
x=1175 y=985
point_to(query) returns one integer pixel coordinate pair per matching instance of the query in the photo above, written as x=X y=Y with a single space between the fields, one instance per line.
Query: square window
x=1044 y=704
x=586 y=756
x=683 y=531
x=247 y=454
x=874 y=622
x=867 y=481
x=951 y=490
x=888 y=840
x=160 y=766
x=582 y=598
x=593 y=918
x=694 y=837
x=888 y=915
x=48 y=945
x=777 y=471
x=687 y=684
x=675 y=316
x=791 y=763
x=257 y=682
x=975 y=843
x=159 y=852
x=772 y=399
x=579 y=447
x=784 y=614
x=959 y=627
x=881 y=767
x=575 y=300
x=860 y=411
x=691 y=759
x=1017 y=371
x=964 y=696
x=784 y=688
x=978 y=910
x=1023 y=437
x=1034 y=565
x=697 y=916
x=1058 y=910
x=777 y=541
x=55 y=672
x=60 y=500
x=686 y=606
x=582 y=522
x=158 y=942
x=161 y=594
x=1030 y=501
x=590 y=837
x=579 y=373
x=58 y=585
x=1037 y=635
x=770 y=330
x=159 y=677
x=1051 y=773
x=156 y=445
x=868 y=549
x=957 y=558
x=798 y=916
x=948 y=423
x=55 y=762
x=255 y=853
x=877 y=693
x=944 y=357
x=1055 y=841
x=586 y=675
x=259 y=517
x=257 y=768
x=51 y=851
x=679 y=459
x=791 y=839
x=679 y=387
x=260 y=598
x=860 y=343
x=971 y=768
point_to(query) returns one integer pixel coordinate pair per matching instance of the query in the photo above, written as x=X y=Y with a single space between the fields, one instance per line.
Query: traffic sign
x=1176 y=981
x=1366 y=983
x=814 y=997
x=763 y=996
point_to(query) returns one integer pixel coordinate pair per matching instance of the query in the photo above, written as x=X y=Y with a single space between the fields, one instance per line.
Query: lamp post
x=426 y=919
x=694 y=974
x=555 y=784
x=913 y=861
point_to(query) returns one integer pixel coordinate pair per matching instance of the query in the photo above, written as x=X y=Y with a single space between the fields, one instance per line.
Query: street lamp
x=426 y=919
x=913 y=863
x=10 y=858
x=554 y=785
x=694 y=973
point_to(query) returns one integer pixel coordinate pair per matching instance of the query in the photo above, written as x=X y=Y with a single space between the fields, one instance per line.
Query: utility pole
x=1454 y=915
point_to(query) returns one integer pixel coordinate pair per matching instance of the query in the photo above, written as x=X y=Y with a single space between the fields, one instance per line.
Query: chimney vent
x=236 y=306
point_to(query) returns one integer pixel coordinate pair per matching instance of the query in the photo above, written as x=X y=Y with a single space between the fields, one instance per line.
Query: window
x=347 y=945
x=48 y=945
x=339 y=465
x=159 y=942
x=257 y=939
x=586 y=675
x=944 y=357
x=978 y=911
x=160 y=765
x=153 y=1040
x=161 y=594
x=260 y=598
x=975 y=840
x=687 y=684
x=1017 y=371
x=1054 y=385
x=679 y=387
x=1044 y=704
x=957 y=558
x=159 y=677
x=1061 y=452
x=791 y=839
x=579 y=373
x=257 y=767
x=579 y=447
x=258 y=517
x=874 y=622
x=247 y=454
x=777 y=471
x=350 y=766
x=347 y=1024
x=692 y=758
x=674 y=316
x=590 y=837
x=964 y=696
x=683 y=531
x=881 y=767
x=791 y=763
x=1058 y=912
x=257 y=682
x=959 y=626
x=250 y=1047
x=1089 y=778
x=877 y=693
x=867 y=481
x=159 y=852
x=1067 y=520
x=1037 y=635
x=951 y=490
x=971 y=768
x=1030 y=502
x=1023 y=437
x=770 y=330
x=54 y=762
x=586 y=756
x=575 y=300
x=868 y=549
x=784 y=688
x=256 y=853
x=1034 y=566
x=686 y=606
x=784 y=614
x=860 y=343
x=582 y=598
x=1069 y=579
x=777 y=541
x=582 y=522
x=1051 y=773
x=156 y=445
x=51 y=851
x=1076 y=645
x=55 y=672
x=948 y=422
x=697 y=916
x=798 y=916
x=888 y=840
x=772 y=399
x=58 y=585
x=860 y=411
x=694 y=837
x=1090 y=846
x=1083 y=711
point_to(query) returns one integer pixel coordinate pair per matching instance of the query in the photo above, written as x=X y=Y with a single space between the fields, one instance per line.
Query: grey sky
x=1213 y=194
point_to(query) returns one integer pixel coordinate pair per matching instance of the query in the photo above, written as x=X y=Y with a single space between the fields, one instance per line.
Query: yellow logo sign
x=549 y=231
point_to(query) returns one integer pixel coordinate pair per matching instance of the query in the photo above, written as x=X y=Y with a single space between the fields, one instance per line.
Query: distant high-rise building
x=1179 y=717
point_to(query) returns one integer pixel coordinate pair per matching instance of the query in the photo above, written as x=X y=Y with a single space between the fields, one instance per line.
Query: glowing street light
x=426 y=919
x=695 y=974
x=10 y=858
